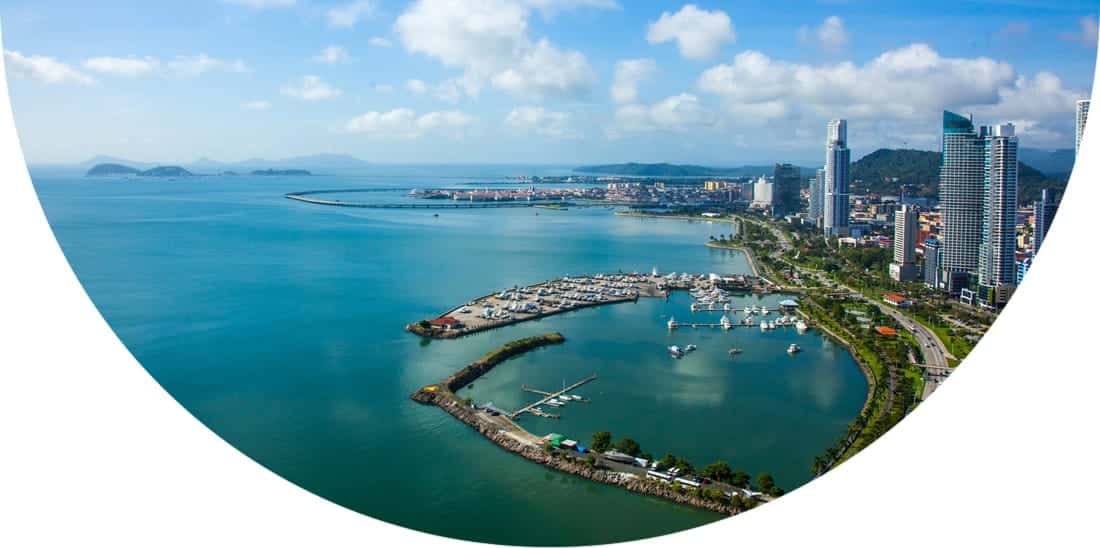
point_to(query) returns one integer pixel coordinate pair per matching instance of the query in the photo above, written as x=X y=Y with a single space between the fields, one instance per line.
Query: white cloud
x=540 y=121
x=256 y=105
x=333 y=55
x=901 y=91
x=348 y=15
x=262 y=4
x=628 y=74
x=830 y=36
x=404 y=123
x=490 y=43
x=698 y=33
x=312 y=88
x=1086 y=34
x=44 y=69
x=121 y=66
x=195 y=65
x=380 y=42
x=384 y=88
x=418 y=87
x=676 y=113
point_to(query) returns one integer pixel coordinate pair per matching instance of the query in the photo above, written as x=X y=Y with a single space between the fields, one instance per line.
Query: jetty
x=549 y=396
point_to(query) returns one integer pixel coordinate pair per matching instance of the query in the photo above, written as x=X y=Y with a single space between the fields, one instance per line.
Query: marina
x=530 y=302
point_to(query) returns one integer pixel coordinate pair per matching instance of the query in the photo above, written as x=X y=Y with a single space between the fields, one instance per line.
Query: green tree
x=765 y=482
x=628 y=446
x=740 y=478
x=718 y=471
x=601 y=441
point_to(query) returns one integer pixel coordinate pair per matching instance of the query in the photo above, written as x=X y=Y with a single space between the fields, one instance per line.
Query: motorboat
x=735 y=351
x=801 y=326
x=794 y=349
x=672 y=323
x=675 y=351
x=725 y=322
x=691 y=348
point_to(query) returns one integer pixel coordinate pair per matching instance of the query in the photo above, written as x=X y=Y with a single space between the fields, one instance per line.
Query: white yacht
x=672 y=323
x=801 y=326
x=725 y=322
x=794 y=349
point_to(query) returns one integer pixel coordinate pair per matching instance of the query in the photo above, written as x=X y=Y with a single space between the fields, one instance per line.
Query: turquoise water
x=279 y=325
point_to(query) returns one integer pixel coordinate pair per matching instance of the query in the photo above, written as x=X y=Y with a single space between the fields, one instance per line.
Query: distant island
x=676 y=170
x=106 y=170
x=281 y=172
x=115 y=170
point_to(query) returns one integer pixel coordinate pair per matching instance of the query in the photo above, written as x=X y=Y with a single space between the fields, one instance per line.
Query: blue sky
x=534 y=81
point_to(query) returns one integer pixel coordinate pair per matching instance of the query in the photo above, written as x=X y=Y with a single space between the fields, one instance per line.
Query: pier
x=526 y=388
x=550 y=396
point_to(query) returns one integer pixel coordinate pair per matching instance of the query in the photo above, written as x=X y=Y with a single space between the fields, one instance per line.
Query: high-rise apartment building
x=762 y=193
x=1082 y=117
x=837 y=179
x=1045 y=209
x=906 y=226
x=817 y=197
x=997 y=255
x=931 y=265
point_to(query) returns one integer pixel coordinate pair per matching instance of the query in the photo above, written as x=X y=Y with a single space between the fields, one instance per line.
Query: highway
x=932 y=348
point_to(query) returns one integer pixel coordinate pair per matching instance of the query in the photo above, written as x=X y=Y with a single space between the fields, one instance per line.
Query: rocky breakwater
x=511 y=437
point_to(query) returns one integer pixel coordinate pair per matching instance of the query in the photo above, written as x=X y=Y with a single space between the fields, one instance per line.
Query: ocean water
x=279 y=324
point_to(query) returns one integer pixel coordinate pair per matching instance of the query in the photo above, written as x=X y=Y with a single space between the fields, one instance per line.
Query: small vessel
x=675 y=351
x=764 y=310
x=801 y=326
x=691 y=348
x=735 y=351
x=725 y=322
x=763 y=326
x=694 y=307
x=554 y=403
x=794 y=349
x=672 y=323
x=748 y=310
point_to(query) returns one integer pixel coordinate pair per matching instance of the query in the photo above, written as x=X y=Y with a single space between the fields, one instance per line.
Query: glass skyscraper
x=962 y=197
x=786 y=189
x=837 y=179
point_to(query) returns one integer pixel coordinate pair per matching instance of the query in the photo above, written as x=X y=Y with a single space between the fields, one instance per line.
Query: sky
x=534 y=81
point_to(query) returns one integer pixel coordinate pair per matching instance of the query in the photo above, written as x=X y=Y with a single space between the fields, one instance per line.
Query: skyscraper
x=931 y=265
x=817 y=197
x=1082 y=117
x=837 y=166
x=906 y=226
x=962 y=195
x=785 y=191
x=997 y=255
x=1045 y=209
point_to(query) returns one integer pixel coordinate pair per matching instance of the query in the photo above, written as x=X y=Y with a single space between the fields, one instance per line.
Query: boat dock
x=549 y=396
x=526 y=388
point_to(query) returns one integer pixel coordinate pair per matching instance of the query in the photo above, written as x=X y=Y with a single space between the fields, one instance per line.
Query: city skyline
x=547 y=81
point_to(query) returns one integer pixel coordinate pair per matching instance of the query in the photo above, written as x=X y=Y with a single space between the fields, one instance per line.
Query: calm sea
x=279 y=324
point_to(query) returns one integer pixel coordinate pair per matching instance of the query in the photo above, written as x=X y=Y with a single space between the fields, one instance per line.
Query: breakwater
x=506 y=434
